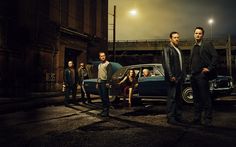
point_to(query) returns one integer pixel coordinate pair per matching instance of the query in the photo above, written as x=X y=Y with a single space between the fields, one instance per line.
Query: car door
x=154 y=85
x=117 y=90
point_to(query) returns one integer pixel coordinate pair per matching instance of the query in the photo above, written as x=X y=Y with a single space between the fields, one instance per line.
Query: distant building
x=38 y=37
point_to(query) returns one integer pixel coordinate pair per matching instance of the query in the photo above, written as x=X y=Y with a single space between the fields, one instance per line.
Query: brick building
x=38 y=37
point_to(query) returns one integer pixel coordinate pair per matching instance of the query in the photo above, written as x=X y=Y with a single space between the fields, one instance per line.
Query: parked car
x=155 y=85
x=89 y=85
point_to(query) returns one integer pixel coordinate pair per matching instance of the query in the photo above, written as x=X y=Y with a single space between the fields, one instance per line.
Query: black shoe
x=75 y=103
x=182 y=121
x=207 y=123
x=90 y=102
x=196 y=122
x=66 y=104
x=173 y=122
x=104 y=114
x=83 y=100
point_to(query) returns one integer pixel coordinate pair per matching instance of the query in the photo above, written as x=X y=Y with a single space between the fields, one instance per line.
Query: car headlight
x=231 y=84
x=211 y=86
x=215 y=85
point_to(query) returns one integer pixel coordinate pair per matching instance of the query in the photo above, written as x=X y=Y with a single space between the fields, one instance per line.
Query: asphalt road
x=142 y=125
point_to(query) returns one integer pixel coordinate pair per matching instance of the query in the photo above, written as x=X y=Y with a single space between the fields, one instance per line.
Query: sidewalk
x=34 y=100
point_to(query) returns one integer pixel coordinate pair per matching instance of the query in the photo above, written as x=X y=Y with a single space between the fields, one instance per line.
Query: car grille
x=222 y=84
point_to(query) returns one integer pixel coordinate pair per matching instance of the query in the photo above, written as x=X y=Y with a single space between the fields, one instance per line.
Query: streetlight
x=210 y=22
x=133 y=12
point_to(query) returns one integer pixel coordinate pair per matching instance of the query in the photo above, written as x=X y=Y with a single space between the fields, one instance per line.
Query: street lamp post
x=211 y=21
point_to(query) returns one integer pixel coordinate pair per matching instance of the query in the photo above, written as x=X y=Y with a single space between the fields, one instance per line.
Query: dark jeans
x=103 y=92
x=201 y=96
x=174 y=102
x=70 y=89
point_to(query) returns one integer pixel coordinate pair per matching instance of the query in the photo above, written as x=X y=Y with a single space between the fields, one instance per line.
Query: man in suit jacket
x=203 y=63
x=70 y=81
x=173 y=65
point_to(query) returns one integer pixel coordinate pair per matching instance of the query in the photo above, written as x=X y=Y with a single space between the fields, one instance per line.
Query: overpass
x=158 y=45
x=149 y=51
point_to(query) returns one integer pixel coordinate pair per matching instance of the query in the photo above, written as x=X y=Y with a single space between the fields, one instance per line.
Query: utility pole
x=228 y=56
x=114 y=34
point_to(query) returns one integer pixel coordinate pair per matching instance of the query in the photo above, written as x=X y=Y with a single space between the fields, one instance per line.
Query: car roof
x=143 y=65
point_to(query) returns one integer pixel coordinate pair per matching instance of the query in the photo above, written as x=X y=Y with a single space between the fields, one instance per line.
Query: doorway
x=71 y=55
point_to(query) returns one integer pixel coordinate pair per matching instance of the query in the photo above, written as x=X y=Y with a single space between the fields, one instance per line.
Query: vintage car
x=89 y=85
x=155 y=85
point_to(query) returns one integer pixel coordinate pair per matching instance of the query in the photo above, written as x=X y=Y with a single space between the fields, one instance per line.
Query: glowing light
x=133 y=12
x=210 y=21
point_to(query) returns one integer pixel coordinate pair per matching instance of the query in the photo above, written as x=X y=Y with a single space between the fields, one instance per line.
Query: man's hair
x=174 y=32
x=145 y=69
x=102 y=52
x=199 y=28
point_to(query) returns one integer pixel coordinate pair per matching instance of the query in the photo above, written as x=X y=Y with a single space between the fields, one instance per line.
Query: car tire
x=187 y=95
x=137 y=101
x=114 y=99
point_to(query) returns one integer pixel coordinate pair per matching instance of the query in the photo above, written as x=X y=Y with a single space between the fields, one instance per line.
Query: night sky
x=155 y=19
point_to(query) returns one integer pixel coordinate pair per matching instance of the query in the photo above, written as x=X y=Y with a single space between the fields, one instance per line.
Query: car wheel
x=114 y=99
x=137 y=101
x=187 y=95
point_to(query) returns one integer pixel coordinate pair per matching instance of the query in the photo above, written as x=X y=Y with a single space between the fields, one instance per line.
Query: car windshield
x=160 y=69
x=119 y=73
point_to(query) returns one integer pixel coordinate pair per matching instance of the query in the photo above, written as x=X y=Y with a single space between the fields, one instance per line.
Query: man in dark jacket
x=173 y=65
x=203 y=63
x=70 y=81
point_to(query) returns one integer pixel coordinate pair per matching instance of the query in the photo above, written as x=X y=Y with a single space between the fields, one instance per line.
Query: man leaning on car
x=174 y=75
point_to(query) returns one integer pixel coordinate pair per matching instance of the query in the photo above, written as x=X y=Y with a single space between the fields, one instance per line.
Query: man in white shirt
x=103 y=82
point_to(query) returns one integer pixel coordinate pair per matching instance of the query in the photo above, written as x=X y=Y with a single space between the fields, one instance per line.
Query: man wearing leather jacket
x=174 y=75
x=70 y=81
